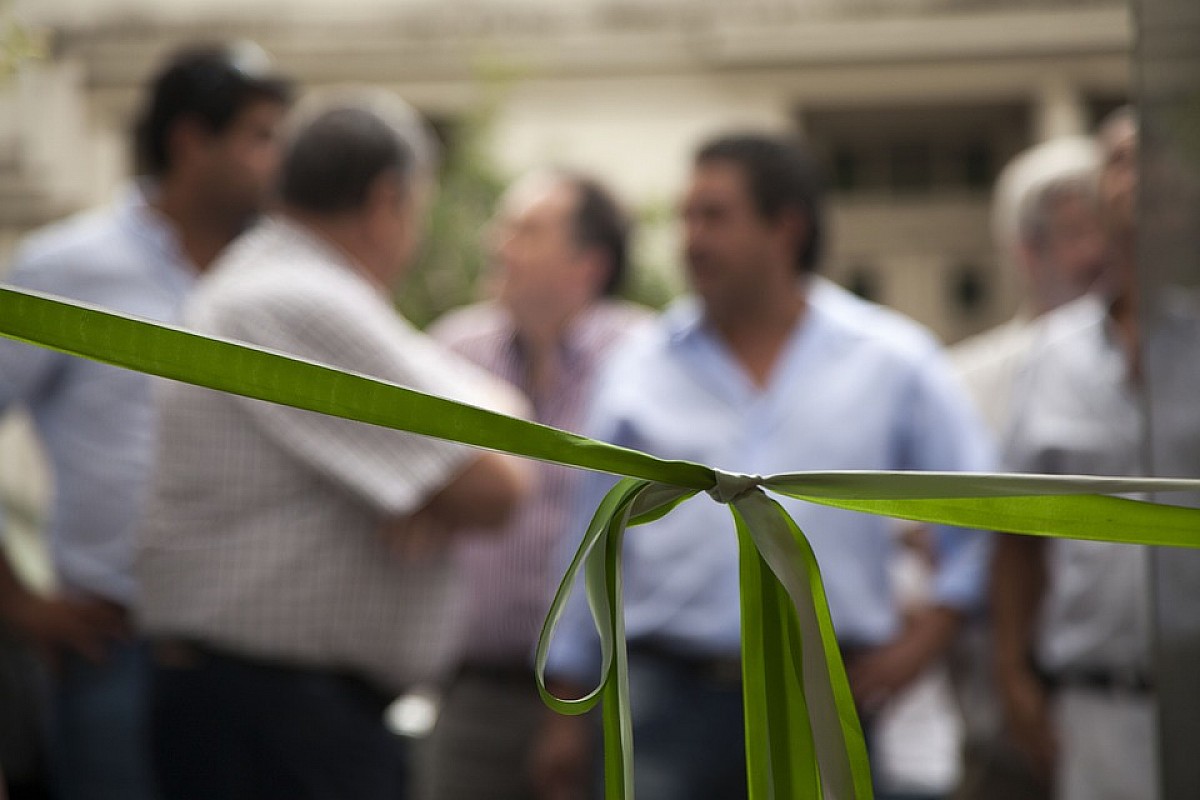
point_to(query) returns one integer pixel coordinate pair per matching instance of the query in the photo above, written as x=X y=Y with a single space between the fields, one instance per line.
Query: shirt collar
x=148 y=222
x=574 y=343
x=306 y=238
x=683 y=319
x=153 y=228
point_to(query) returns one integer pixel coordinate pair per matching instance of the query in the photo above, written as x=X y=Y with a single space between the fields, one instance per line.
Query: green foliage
x=653 y=278
x=18 y=42
x=453 y=258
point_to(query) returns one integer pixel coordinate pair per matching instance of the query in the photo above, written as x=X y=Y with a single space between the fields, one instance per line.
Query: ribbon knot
x=732 y=485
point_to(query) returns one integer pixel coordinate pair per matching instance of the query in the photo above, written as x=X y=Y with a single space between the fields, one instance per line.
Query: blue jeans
x=687 y=732
x=239 y=729
x=99 y=740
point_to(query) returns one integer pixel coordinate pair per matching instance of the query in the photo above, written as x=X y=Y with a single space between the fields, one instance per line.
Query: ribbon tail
x=780 y=753
x=806 y=646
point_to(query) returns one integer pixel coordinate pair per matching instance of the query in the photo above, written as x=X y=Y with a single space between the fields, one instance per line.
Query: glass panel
x=1168 y=75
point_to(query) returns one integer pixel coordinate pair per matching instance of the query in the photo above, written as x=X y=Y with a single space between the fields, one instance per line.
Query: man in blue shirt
x=765 y=368
x=206 y=144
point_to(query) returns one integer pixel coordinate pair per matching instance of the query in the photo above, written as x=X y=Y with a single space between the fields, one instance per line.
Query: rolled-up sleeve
x=27 y=371
x=947 y=434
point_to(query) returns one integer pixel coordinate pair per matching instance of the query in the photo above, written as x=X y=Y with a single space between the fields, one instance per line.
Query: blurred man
x=293 y=582
x=207 y=150
x=560 y=248
x=1072 y=618
x=1046 y=226
x=766 y=368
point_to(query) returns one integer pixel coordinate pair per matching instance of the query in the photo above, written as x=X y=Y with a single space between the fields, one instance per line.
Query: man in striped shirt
x=560 y=251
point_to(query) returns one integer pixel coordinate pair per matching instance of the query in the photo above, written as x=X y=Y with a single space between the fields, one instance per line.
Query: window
x=910 y=167
x=863 y=280
x=968 y=290
x=914 y=151
x=978 y=168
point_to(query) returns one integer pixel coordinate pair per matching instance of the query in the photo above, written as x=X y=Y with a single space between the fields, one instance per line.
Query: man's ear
x=186 y=140
x=391 y=209
x=384 y=192
x=1026 y=255
x=595 y=269
x=794 y=227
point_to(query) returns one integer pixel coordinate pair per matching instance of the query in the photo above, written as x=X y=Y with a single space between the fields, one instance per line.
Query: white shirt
x=264 y=531
x=1077 y=412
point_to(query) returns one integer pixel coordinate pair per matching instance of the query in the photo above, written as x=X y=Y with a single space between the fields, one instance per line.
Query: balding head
x=357 y=169
x=338 y=144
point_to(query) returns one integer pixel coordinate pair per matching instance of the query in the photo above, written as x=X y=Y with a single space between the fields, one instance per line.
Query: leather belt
x=498 y=672
x=717 y=669
x=721 y=669
x=183 y=653
x=1098 y=679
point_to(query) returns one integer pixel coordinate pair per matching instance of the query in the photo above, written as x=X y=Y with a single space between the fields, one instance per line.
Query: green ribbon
x=803 y=737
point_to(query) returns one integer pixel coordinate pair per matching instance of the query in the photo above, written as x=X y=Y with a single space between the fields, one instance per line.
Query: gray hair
x=338 y=143
x=1037 y=178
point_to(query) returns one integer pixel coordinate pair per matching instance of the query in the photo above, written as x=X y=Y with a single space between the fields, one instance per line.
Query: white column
x=1059 y=110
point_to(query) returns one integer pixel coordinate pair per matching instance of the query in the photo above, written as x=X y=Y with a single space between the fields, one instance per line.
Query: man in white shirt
x=1046 y=225
x=1073 y=618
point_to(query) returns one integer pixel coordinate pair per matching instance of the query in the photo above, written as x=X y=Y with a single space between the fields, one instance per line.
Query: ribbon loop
x=730 y=486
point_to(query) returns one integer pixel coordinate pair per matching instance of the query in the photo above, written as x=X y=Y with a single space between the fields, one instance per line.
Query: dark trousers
x=99 y=738
x=689 y=729
x=233 y=728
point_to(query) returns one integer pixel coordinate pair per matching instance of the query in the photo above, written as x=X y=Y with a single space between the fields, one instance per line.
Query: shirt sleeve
x=946 y=434
x=1020 y=452
x=28 y=372
x=395 y=471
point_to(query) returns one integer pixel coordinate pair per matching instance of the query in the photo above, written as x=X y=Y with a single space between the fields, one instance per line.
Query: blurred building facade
x=915 y=104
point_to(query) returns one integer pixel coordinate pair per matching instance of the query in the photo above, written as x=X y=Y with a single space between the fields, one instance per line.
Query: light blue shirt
x=856 y=387
x=95 y=422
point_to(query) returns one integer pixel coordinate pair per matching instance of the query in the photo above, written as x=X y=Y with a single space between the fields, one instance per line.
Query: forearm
x=879 y=674
x=1017 y=585
x=485 y=494
x=930 y=631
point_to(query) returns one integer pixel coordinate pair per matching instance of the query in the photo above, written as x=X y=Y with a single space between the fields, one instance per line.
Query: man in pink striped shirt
x=560 y=250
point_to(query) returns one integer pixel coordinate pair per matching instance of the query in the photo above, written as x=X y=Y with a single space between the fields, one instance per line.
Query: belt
x=498 y=672
x=1098 y=679
x=182 y=653
x=719 y=669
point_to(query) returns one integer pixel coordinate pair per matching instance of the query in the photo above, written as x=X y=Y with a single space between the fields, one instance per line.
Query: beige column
x=1059 y=110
